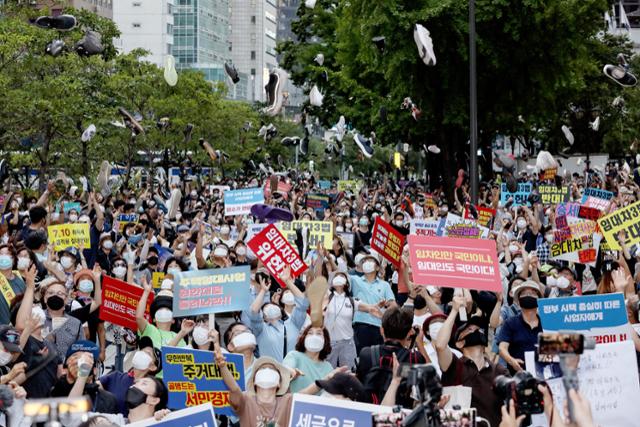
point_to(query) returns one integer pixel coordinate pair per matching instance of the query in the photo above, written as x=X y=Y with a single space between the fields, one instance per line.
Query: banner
x=319 y=231
x=119 y=302
x=568 y=209
x=457 y=263
x=317 y=411
x=425 y=227
x=63 y=236
x=603 y=316
x=387 y=241
x=581 y=249
x=71 y=206
x=193 y=378
x=429 y=201
x=323 y=184
x=625 y=219
x=519 y=197
x=597 y=198
x=317 y=202
x=549 y=174
x=197 y=416
x=282 y=188
x=239 y=202
x=485 y=215
x=124 y=219
x=456 y=226
x=273 y=250
x=351 y=186
x=552 y=195
x=254 y=229
x=219 y=290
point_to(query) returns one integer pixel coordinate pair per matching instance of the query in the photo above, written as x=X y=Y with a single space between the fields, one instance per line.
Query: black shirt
x=102 y=401
x=39 y=385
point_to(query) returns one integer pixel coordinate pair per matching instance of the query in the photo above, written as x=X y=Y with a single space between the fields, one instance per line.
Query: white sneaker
x=568 y=134
x=315 y=96
x=319 y=59
x=340 y=129
x=595 y=125
x=433 y=149
x=425 y=44
x=88 y=133
x=170 y=73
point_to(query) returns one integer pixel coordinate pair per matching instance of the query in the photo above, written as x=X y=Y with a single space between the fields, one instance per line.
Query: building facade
x=146 y=24
x=287 y=13
x=253 y=42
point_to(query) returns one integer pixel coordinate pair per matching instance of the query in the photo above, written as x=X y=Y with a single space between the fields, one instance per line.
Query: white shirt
x=433 y=355
x=338 y=317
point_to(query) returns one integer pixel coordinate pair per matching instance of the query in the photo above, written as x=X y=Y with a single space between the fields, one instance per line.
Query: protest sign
x=319 y=232
x=196 y=416
x=586 y=212
x=63 y=236
x=597 y=198
x=156 y=279
x=323 y=184
x=71 y=206
x=219 y=290
x=273 y=250
x=351 y=185
x=608 y=380
x=568 y=209
x=317 y=201
x=193 y=378
x=312 y=411
x=552 y=195
x=254 y=229
x=549 y=174
x=387 y=241
x=581 y=249
x=425 y=227
x=519 y=197
x=456 y=226
x=458 y=263
x=239 y=202
x=485 y=215
x=603 y=317
x=625 y=219
x=429 y=201
x=119 y=302
x=282 y=187
x=347 y=239
x=124 y=219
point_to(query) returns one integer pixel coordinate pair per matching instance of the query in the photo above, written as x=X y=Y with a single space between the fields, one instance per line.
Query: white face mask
x=339 y=229
x=552 y=281
x=241 y=251
x=563 y=282
x=108 y=244
x=369 y=267
x=339 y=281
x=220 y=252
x=73 y=217
x=141 y=360
x=513 y=248
x=521 y=223
x=174 y=271
x=85 y=285
x=225 y=229
x=200 y=335
x=549 y=238
x=314 y=343
x=267 y=378
x=434 y=328
x=244 y=340
x=288 y=299
x=66 y=262
x=119 y=272
x=23 y=263
x=271 y=312
x=164 y=315
x=5 y=358
x=6 y=262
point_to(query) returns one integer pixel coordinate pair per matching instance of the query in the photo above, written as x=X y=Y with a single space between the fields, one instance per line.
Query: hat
x=84 y=345
x=10 y=339
x=433 y=318
x=527 y=284
x=146 y=342
x=473 y=320
x=73 y=252
x=371 y=255
x=285 y=375
x=161 y=301
x=346 y=385
x=85 y=272
x=183 y=228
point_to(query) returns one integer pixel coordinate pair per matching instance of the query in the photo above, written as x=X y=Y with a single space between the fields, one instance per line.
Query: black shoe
x=188 y=130
x=55 y=48
x=383 y=114
x=273 y=88
x=131 y=123
x=304 y=145
x=163 y=124
x=364 y=145
x=90 y=44
x=4 y=171
x=247 y=126
x=270 y=132
x=231 y=71
x=620 y=75
x=289 y=141
x=379 y=41
x=60 y=23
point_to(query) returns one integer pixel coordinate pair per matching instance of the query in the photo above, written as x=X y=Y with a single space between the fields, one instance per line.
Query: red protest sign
x=275 y=252
x=485 y=215
x=387 y=241
x=453 y=262
x=587 y=212
x=119 y=302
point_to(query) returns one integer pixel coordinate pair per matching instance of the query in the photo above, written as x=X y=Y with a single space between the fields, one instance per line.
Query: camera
x=422 y=380
x=522 y=389
x=555 y=343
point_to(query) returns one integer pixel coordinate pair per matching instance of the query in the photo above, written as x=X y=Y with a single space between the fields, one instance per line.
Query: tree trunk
x=44 y=164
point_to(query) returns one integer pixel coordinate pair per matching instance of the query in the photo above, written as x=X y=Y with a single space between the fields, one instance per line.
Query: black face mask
x=476 y=337
x=55 y=302
x=419 y=302
x=528 y=302
x=135 y=397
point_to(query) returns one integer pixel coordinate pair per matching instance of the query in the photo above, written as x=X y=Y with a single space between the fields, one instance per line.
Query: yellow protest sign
x=351 y=185
x=625 y=219
x=69 y=235
x=156 y=278
x=319 y=231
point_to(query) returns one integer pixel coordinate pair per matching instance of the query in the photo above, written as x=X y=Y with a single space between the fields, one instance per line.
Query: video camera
x=522 y=389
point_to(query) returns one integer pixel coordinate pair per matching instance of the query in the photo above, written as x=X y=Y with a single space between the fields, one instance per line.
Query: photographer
x=473 y=369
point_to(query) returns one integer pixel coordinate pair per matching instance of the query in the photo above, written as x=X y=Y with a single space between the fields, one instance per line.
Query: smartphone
x=554 y=343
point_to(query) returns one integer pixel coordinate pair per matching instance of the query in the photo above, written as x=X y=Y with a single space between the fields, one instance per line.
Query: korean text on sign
x=387 y=241
x=63 y=236
x=625 y=219
x=552 y=195
x=276 y=253
x=453 y=262
x=119 y=302
x=193 y=378
x=317 y=411
x=319 y=232
x=519 y=197
x=239 y=202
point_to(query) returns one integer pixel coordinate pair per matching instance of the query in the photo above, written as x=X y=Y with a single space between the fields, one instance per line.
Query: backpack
x=377 y=380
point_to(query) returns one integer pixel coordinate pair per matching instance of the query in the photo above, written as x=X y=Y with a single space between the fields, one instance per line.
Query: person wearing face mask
x=288 y=304
x=107 y=253
x=308 y=360
x=239 y=339
x=362 y=236
x=372 y=291
x=69 y=260
x=473 y=369
x=241 y=254
x=529 y=227
x=146 y=361
x=173 y=267
x=565 y=285
x=202 y=336
x=11 y=285
x=73 y=216
x=519 y=334
x=544 y=245
x=10 y=351
x=431 y=328
x=88 y=298
x=225 y=236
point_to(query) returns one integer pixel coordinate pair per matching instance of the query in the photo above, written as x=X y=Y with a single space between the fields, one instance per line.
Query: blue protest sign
x=311 y=411
x=519 y=197
x=219 y=290
x=239 y=202
x=197 y=416
x=596 y=198
x=68 y=206
x=594 y=315
x=193 y=378
x=324 y=184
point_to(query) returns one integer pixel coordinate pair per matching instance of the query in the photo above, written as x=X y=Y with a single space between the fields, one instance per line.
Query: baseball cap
x=473 y=320
x=86 y=346
x=10 y=339
x=527 y=284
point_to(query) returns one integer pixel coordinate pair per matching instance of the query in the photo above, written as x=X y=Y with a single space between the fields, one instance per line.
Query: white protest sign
x=420 y=227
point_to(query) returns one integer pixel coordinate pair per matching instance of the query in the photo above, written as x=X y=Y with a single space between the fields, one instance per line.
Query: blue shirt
x=520 y=336
x=271 y=336
x=118 y=383
x=370 y=293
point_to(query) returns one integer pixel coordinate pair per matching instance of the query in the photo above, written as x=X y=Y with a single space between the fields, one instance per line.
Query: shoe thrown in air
x=341 y=129
x=364 y=144
x=170 y=73
x=232 y=72
x=274 y=89
x=88 y=133
x=90 y=44
x=620 y=75
x=319 y=59
x=130 y=121
x=55 y=48
x=567 y=134
x=425 y=44
x=290 y=141
x=315 y=96
x=60 y=23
